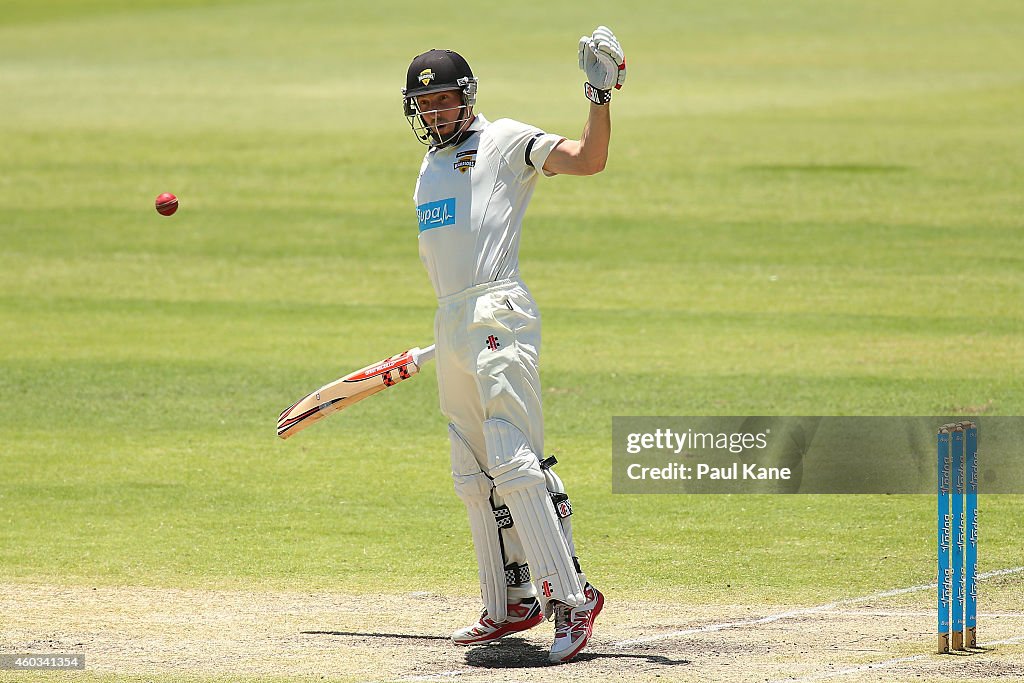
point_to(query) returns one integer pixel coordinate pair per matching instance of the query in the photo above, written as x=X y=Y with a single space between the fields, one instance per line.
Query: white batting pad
x=519 y=479
x=474 y=488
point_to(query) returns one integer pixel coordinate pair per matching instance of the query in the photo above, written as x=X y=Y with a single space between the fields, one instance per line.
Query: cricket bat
x=350 y=389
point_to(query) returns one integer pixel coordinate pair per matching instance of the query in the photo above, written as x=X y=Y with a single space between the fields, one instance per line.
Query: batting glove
x=602 y=59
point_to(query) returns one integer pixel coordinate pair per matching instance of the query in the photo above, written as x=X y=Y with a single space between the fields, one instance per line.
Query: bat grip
x=421 y=356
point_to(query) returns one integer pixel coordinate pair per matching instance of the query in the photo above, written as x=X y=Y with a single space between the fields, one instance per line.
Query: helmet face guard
x=432 y=72
x=427 y=134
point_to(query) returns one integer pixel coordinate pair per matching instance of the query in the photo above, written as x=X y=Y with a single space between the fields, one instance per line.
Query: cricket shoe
x=574 y=625
x=522 y=615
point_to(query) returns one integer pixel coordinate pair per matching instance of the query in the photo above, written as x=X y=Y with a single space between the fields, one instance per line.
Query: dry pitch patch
x=193 y=634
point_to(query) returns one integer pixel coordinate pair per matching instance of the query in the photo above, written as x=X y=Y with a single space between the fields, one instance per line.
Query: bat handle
x=421 y=356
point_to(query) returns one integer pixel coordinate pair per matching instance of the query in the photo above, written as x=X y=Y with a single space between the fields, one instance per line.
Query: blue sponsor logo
x=436 y=214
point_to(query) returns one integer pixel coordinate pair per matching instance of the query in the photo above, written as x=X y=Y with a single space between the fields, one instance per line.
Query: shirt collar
x=479 y=123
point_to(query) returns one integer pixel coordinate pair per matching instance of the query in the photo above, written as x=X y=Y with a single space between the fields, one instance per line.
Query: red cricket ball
x=166 y=204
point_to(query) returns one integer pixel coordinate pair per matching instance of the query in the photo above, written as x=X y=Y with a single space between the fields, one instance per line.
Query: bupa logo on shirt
x=436 y=214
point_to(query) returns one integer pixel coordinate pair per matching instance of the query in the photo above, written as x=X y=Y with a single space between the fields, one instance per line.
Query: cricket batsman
x=474 y=185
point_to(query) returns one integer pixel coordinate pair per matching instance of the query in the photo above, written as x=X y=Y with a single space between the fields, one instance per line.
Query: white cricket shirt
x=470 y=200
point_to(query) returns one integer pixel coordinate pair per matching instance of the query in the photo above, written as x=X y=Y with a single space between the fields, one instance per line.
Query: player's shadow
x=355 y=634
x=510 y=653
x=516 y=653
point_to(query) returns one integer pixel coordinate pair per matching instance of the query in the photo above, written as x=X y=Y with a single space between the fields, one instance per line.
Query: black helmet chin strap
x=459 y=137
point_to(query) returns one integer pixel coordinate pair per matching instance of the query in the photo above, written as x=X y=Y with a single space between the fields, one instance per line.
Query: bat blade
x=350 y=389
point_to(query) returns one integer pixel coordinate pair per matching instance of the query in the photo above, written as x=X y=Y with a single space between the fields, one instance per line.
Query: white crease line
x=931 y=613
x=882 y=665
x=710 y=628
x=1005 y=641
x=728 y=624
x=851 y=670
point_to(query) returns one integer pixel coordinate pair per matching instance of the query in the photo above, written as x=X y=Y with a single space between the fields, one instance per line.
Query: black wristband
x=596 y=95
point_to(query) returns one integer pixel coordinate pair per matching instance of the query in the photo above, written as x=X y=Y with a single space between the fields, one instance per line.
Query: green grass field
x=810 y=209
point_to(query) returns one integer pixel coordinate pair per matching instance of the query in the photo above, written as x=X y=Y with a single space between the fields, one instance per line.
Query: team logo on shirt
x=465 y=160
x=425 y=76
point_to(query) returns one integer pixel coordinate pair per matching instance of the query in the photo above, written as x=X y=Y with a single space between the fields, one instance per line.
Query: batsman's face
x=442 y=112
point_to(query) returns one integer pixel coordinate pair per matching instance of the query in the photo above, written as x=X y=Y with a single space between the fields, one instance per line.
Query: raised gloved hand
x=602 y=59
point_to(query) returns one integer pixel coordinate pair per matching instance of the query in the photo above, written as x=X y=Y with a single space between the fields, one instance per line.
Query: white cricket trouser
x=488 y=346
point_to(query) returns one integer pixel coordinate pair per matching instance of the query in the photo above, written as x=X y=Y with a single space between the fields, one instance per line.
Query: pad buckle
x=563 y=508
x=516 y=574
x=503 y=518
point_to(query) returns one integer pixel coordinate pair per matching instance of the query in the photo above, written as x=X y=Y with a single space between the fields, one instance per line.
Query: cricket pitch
x=179 y=634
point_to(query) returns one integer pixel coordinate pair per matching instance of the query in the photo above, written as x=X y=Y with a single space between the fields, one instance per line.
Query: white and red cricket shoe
x=574 y=625
x=522 y=615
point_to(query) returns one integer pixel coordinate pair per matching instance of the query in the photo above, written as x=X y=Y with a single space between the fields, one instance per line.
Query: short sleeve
x=525 y=148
